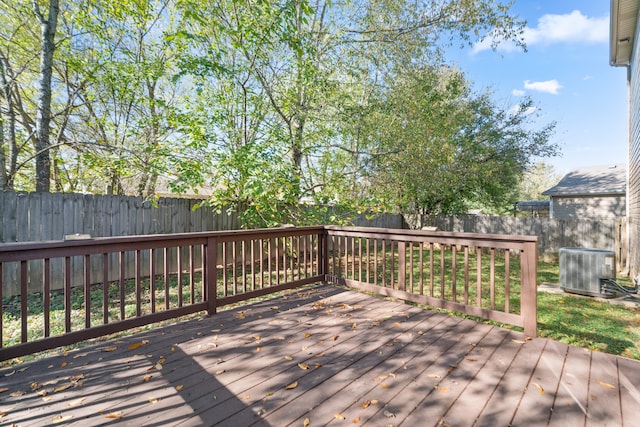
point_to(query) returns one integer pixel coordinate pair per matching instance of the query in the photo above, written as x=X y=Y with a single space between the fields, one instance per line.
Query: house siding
x=633 y=189
x=591 y=207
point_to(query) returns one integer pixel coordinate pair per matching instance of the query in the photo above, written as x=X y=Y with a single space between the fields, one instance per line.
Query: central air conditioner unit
x=582 y=271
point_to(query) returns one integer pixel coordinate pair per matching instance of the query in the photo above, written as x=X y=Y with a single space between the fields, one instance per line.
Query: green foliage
x=443 y=149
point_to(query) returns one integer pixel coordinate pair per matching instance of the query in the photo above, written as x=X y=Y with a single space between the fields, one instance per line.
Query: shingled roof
x=590 y=181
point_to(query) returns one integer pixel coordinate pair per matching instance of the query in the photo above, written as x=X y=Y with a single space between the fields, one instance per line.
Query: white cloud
x=518 y=92
x=572 y=27
x=549 y=86
x=568 y=28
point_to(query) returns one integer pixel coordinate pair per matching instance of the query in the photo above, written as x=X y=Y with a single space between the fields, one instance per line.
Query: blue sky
x=566 y=72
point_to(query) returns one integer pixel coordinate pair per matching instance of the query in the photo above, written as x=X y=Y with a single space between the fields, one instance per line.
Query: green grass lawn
x=587 y=322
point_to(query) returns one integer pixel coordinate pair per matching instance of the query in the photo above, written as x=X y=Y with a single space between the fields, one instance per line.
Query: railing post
x=323 y=254
x=210 y=275
x=529 y=288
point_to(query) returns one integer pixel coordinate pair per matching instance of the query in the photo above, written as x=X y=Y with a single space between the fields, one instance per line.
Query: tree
x=539 y=177
x=318 y=65
x=48 y=25
x=441 y=149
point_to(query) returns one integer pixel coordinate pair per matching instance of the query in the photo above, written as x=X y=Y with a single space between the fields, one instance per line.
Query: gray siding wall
x=633 y=188
x=601 y=207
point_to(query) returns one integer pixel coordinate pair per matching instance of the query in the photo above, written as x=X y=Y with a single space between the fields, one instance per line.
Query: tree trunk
x=7 y=141
x=43 y=113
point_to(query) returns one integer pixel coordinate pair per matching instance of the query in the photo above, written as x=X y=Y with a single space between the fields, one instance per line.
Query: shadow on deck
x=324 y=355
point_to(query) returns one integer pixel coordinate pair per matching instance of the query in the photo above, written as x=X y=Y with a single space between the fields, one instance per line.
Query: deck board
x=354 y=359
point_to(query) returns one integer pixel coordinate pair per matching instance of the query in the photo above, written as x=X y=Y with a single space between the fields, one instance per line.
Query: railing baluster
x=87 y=291
x=402 y=266
x=152 y=279
x=24 y=307
x=167 y=278
x=479 y=277
x=507 y=281
x=421 y=254
x=46 y=301
x=225 y=283
x=180 y=277
x=138 y=265
x=192 y=273
x=466 y=275
x=431 y=273
x=492 y=279
x=105 y=288
x=67 y=294
x=411 y=284
x=122 y=284
x=454 y=272
x=253 y=265
x=442 y=282
x=375 y=262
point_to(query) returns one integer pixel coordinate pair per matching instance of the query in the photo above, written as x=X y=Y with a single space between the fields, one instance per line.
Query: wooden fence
x=38 y=217
x=552 y=234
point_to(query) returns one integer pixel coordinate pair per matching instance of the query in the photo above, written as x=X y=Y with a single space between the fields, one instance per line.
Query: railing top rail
x=12 y=251
x=436 y=235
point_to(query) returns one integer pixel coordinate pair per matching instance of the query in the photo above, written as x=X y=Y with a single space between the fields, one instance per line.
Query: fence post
x=210 y=275
x=529 y=288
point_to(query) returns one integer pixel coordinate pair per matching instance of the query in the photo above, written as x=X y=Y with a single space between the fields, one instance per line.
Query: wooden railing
x=133 y=281
x=488 y=276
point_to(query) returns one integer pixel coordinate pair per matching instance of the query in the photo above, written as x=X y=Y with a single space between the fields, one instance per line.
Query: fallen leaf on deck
x=179 y=387
x=147 y=378
x=306 y=422
x=158 y=366
x=354 y=326
x=18 y=393
x=76 y=402
x=518 y=341
x=288 y=358
x=443 y=389
x=365 y=404
x=221 y=371
x=10 y=373
x=539 y=387
x=153 y=400
x=41 y=392
x=258 y=349
x=303 y=366
x=115 y=415
x=3 y=389
x=110 y=348
x=339 y=417
x=606 y=385
x=63 y=387
x=307 y=335
x=61 y=419
x=452 y=368
x=335 y=337
x=138 y=344
x=292 y=385
x=356 y=420
x=77 y=378
x=384 y=385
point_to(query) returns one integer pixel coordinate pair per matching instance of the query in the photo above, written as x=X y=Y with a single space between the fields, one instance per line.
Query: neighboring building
x=597 y=192
x=623 y=53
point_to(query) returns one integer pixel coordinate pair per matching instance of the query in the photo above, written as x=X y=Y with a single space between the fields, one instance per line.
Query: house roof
x=622 y=31
x=591 y=181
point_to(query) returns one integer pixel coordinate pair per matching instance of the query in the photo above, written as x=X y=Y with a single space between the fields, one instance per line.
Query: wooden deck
x=325 y=356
